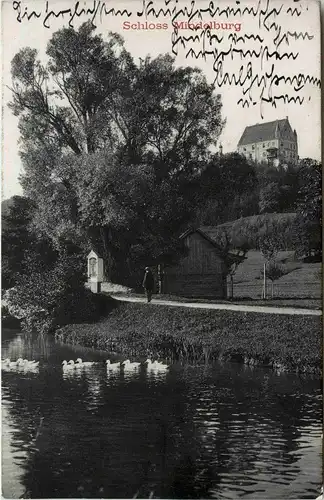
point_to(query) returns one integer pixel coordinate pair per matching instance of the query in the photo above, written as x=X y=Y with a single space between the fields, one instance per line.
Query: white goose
x=73 y=364
x=68 y=366
x=79 y=362
x=128 y=365
x=155 y=365
x=12 y=364
x=112 y=366
x=28 y=365
x=32 y=364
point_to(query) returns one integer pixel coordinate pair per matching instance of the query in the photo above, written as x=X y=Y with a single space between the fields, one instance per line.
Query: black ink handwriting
x=16 y=5
x=98 y=9
x=260 y=59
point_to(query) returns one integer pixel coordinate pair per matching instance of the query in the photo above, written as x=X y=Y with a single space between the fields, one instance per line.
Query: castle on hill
x=272 y=142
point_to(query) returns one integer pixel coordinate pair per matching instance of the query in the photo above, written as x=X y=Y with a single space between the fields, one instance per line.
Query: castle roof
x=262 y=132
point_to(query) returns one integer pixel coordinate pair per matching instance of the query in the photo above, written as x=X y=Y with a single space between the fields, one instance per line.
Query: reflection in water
x=72 y=375
x=20 y=369
x=94 y=396
x=156 y=375
x=130 y=374
x=219 y=431
x=12 y=457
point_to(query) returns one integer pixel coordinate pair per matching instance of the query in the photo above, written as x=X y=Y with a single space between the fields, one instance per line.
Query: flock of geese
x=126 y=365
x=24 y=364
x=20 y=364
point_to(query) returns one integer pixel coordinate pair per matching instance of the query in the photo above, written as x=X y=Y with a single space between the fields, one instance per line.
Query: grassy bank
x=288 y=302
x=283 y=342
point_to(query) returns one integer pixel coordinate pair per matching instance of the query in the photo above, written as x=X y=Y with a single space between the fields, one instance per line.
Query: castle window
x=252 y=147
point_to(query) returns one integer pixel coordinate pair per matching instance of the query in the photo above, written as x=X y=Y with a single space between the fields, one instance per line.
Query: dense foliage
x=229 y=188
x=57 y=296
x=307 y=229
x=114 y=150
x=22 y=249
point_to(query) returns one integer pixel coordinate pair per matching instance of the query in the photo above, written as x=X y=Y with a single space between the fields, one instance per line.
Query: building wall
x=200 y=274
x=288 y=150
x=257 y=151
x=286 y=144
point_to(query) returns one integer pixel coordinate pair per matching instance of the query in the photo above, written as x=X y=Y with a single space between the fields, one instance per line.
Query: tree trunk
x=160 y=278
x=107 y=257
x=264 y=291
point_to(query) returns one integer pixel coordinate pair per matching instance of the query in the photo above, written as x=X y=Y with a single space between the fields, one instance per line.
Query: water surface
x=220 y=431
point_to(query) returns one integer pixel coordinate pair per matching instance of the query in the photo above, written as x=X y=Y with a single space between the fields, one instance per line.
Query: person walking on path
x=148 y=283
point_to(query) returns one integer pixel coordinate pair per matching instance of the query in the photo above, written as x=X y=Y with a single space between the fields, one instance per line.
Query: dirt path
x=226 y=307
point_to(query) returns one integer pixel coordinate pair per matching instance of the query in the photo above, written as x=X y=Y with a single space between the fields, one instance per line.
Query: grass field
x=302 y=282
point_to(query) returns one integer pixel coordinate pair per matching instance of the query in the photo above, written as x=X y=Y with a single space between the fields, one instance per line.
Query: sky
x=305 y=118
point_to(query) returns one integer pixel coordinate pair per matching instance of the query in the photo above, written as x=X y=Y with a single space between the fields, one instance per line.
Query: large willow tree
x=112 y=150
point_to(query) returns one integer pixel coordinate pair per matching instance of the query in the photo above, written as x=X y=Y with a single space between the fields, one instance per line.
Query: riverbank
x=285 y=343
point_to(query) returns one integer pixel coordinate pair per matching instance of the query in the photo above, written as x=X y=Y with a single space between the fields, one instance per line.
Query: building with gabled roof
x=272 y=142
x=202 y=272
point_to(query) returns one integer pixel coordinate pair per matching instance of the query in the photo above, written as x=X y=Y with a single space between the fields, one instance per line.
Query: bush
x=46 y=300
x=7 y=320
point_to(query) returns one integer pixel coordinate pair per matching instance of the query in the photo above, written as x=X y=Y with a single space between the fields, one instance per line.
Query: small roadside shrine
x=95 y=271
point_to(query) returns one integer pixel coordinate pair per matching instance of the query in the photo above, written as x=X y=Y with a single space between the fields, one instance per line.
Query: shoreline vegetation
x=285 y=344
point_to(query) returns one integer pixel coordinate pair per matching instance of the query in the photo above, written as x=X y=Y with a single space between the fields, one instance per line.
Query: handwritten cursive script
x=252 y=45
x=264 y=63
x=96 y=11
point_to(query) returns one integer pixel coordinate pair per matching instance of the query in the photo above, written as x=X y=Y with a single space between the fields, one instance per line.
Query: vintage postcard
x=161 y=249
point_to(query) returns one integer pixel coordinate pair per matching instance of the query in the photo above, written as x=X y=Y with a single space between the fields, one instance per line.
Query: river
x=221 y=431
